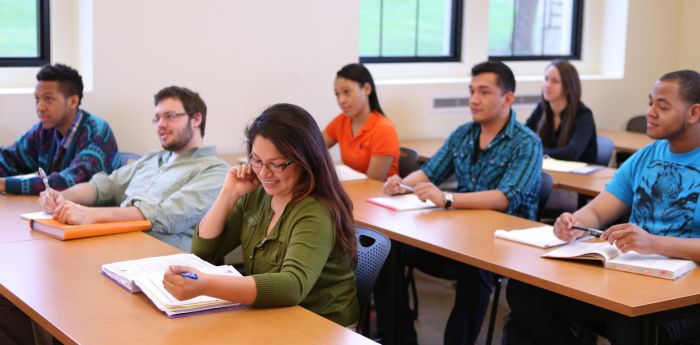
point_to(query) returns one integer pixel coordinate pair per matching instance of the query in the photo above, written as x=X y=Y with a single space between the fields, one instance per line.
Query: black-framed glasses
x=275 y=168
x=167 y=117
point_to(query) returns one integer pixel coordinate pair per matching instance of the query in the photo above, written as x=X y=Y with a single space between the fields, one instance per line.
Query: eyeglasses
x=167 y=117
x=275 y=168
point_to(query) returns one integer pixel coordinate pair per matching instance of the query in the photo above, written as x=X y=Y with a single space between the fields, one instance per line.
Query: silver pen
x=408 y=188
x=42 y=174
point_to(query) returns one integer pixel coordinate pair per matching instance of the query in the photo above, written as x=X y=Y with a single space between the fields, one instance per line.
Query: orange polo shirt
x=377 y=137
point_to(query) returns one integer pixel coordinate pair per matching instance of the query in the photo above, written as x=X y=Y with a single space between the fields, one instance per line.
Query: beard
x=181 y=140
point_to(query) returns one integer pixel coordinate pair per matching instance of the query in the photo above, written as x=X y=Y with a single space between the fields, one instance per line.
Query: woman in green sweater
x=288 y=211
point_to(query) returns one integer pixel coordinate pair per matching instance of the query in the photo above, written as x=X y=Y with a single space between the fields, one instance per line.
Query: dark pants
x=542 y=317
x=471 y=296
x=15 y=326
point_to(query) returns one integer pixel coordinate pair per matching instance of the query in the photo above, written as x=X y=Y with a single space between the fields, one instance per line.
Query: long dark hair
x=359 y=74
x=296 y=135
x=572 y=89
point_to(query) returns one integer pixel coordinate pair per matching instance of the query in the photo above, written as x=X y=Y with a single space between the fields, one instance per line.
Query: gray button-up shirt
x=174 y=196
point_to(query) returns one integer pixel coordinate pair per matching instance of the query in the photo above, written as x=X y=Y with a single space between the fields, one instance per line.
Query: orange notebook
x=68 y=232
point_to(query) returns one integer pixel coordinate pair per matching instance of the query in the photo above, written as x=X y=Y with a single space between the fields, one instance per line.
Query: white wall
x=239 y=55
x=242 y=56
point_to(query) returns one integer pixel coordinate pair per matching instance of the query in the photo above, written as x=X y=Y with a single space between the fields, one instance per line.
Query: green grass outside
x=398 y=37
x=18 y=28
x=500 y=26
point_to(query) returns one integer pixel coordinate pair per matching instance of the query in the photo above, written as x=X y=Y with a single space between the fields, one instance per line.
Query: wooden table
x=590 y=184
x=12 y=227
x=59 y=285
x=624 y=141
x=467 y=236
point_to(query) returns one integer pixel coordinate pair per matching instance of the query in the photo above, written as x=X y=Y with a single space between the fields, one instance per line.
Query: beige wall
x=242 y=56
x=689 y=56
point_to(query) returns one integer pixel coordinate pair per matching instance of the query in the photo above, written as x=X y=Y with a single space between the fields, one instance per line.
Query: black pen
x=594 y=232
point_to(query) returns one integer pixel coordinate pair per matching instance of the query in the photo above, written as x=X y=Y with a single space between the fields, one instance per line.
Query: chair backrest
x=547 y=185
x=637 y=124
x=372 y=249
x=605 y=150
x=126 y=157
x=408 y=161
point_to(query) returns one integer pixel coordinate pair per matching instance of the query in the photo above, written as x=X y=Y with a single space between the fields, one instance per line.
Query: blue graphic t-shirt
x=661 y=188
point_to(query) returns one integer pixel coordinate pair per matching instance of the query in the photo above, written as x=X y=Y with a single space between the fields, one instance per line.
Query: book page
x=584 y=250
x=403 y=202
x=542 y=236
x=345 y=173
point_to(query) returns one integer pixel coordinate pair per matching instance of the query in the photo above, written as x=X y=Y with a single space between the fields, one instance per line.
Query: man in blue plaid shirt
x=497 y=162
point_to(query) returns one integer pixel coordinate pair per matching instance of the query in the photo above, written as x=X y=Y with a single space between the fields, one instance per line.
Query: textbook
x=542 y=236
x=403 y=202
x=146 y=275
x=647 y=264
x=64 y=231
x=556 y=165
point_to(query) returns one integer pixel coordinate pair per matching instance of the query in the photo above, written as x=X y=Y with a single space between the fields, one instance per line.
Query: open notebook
x=652 y=264
x=146 y=275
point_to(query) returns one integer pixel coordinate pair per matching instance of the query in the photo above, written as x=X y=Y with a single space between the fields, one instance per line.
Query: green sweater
x=299 y=263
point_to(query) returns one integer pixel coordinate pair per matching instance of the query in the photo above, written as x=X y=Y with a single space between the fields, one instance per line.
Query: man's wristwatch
x=448 y=198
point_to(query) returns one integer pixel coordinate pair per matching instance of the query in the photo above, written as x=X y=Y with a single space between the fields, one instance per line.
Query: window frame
x=576 y=41
x=455 y=44
x=44 y=41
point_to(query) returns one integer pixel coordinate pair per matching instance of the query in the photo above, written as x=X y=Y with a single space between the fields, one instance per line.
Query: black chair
x=637 y=124
x=408 y=161
x=605 y=150
x=547 y=184
x=126 y=158
x=372 y=249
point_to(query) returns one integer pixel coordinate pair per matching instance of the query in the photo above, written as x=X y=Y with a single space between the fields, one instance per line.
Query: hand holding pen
x=49 y=199
x=566 y=227
x=183 y=282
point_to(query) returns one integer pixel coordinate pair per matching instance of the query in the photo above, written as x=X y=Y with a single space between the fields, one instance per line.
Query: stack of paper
x=556 y=165
x=345 y=173
x=542 y=236
x=403 y=202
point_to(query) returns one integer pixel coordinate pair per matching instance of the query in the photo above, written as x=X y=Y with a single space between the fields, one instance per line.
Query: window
x=24 y=32
x=410 y=30
x=535 y=29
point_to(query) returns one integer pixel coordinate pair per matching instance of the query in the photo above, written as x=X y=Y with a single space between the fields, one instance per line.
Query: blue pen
x=190 y=275
x=594 y=232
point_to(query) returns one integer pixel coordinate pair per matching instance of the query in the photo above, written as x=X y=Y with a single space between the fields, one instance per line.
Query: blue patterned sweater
x=91 y=149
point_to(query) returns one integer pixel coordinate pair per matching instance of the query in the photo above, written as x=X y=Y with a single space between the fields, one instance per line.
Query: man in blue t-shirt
x=660 y=185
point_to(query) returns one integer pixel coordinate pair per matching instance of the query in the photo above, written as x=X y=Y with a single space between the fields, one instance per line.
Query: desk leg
x=389 y=292
x=650 y=329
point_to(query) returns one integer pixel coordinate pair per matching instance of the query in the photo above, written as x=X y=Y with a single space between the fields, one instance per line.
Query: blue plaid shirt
x=511 y=163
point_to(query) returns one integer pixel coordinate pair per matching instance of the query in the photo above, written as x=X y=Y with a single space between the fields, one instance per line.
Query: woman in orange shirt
x=368 y=140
